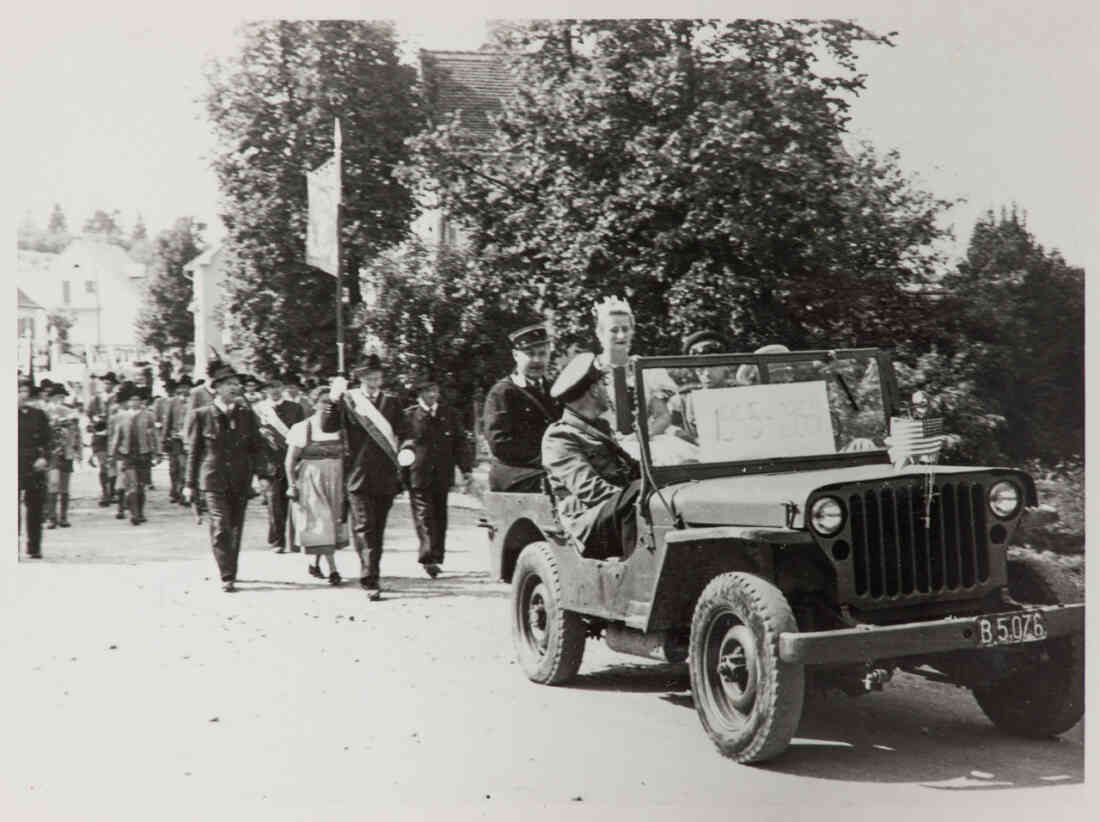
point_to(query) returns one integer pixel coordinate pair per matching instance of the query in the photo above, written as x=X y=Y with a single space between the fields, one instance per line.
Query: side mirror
x=623 y=422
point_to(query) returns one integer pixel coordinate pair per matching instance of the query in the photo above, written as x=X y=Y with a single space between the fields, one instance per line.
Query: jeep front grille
x=895 y=553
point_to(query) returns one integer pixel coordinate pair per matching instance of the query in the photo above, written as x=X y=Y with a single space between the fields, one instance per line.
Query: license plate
x=1011 y=628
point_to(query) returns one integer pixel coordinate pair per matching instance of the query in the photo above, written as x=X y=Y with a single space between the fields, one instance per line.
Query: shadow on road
x=919 y=733
x=468 y=584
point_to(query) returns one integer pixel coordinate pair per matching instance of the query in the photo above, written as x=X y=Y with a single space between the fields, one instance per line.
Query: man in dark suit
x=435 y=444
x=224 y=449
x=517 y=411
x=275 y=416
x=34 y=447
x=373 y=425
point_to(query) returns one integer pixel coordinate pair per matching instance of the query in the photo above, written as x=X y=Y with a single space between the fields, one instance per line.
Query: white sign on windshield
x=762 y=421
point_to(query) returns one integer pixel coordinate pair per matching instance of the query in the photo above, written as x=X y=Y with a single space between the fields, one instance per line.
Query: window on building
x=66 y=292
x=89 y=286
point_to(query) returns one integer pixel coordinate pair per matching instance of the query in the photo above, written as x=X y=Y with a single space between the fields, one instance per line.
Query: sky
x=994 y=103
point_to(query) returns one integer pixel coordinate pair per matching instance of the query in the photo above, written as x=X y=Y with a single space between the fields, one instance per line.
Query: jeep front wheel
x=748 y=699
x=1044 y=694
x=549 y=640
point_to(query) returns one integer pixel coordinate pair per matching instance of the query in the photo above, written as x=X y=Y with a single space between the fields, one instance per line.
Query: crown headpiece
x=611 y=305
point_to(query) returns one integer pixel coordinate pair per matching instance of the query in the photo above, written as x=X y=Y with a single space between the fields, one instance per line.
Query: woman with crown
x=615 y=332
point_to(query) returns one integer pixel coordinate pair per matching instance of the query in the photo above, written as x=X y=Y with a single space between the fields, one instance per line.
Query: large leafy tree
x=1017 y=311
x=165 y=321
x=430 y=313
x=698 y=167
x=272 y=107
x=105 y=225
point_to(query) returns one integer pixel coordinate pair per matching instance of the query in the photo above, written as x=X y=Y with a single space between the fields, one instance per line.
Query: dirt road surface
x=134 y=688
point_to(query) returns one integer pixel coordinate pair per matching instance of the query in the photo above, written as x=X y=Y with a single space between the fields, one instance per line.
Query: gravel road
x=136 y=689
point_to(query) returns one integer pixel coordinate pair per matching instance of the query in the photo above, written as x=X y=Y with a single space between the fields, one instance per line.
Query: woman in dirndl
x=315 y=474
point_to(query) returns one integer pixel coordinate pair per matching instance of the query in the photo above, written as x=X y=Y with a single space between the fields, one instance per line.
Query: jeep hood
x=762 y=499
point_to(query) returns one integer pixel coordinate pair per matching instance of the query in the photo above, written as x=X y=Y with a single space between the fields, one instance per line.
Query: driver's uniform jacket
x=585 y=467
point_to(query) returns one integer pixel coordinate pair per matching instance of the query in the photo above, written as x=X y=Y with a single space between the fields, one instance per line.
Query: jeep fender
x=690 y=558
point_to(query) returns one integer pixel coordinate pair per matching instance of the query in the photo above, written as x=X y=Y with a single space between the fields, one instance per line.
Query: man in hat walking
x=99 y=410
x=34 y=447
x=594 y=481
x=224 y=448
x=134 y=445
x=276 y=415
x=373 y=425
x=65 y=449
x=517 y=411
x=172 y=436
x=435 y=444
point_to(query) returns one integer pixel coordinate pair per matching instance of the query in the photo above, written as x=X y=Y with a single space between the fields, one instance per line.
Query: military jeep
x=786 y=540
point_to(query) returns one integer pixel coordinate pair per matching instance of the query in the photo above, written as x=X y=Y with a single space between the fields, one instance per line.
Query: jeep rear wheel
x=748 y=699
x=549 y=640
x=1045 y=693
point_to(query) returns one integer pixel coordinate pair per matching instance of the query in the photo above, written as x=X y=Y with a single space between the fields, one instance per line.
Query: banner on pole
x=322 y=244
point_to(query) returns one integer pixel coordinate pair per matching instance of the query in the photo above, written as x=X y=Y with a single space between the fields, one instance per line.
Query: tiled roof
x=25 y=301
x=473 y=82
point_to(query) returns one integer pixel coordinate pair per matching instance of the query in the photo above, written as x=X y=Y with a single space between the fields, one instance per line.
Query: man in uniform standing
x=436 y=443
x=594 y=481
x=373 y=425
x=517 y=411
x=224 y=447
x=34 y=446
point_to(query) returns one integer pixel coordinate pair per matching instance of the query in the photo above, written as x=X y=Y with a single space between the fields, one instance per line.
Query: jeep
x=793 y=532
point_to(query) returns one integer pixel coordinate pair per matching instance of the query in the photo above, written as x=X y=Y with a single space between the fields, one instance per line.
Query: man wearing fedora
x=224 y=449
x=65 y=427
x=595 y=482
x=133 y=445
x=436 y=443
x=34 y=448
x=517 y=411
x=373 y=425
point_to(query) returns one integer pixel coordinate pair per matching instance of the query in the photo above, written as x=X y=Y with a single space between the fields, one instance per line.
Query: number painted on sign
x=1011 y=629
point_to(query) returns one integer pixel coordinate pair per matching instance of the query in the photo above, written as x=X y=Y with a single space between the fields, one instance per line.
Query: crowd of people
x=329 y=460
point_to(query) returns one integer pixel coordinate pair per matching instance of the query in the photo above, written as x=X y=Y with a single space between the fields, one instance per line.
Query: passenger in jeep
x=593 y=480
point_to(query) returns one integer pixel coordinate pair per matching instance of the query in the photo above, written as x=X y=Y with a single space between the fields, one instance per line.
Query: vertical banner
x=322 y=239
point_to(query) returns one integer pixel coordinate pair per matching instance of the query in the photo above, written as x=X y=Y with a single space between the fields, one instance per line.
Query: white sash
x=362 y=405
x=269 y=417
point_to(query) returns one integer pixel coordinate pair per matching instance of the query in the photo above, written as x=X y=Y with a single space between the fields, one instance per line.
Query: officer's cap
x=528 y=337
x=581 y=372
x=704 y=342
x=372 y=363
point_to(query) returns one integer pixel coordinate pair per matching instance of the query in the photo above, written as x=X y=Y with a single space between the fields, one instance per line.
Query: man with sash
x=517 y=411
x=594 y=481
x=275 y=416
x=373 y=425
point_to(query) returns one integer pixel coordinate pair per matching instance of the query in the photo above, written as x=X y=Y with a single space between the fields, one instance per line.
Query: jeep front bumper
x=871 y=642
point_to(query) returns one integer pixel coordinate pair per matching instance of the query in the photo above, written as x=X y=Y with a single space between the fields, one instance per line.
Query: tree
x=430 y=314
x=57 y=224
x=165 y=322
x=106 y=226
x=272 y=107
x=139 y=232
x=698 y=167
x=1021 y=310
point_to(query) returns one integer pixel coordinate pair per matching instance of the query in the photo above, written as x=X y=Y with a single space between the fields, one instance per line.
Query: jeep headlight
x=1004 y=499
x=827 y=516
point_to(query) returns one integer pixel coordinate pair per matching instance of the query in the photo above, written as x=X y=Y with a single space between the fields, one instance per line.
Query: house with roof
x=470 y=84
x=207 y=274
x=99 y=287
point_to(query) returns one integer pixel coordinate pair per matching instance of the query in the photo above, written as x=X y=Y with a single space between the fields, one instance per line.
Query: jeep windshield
x=758 y=411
